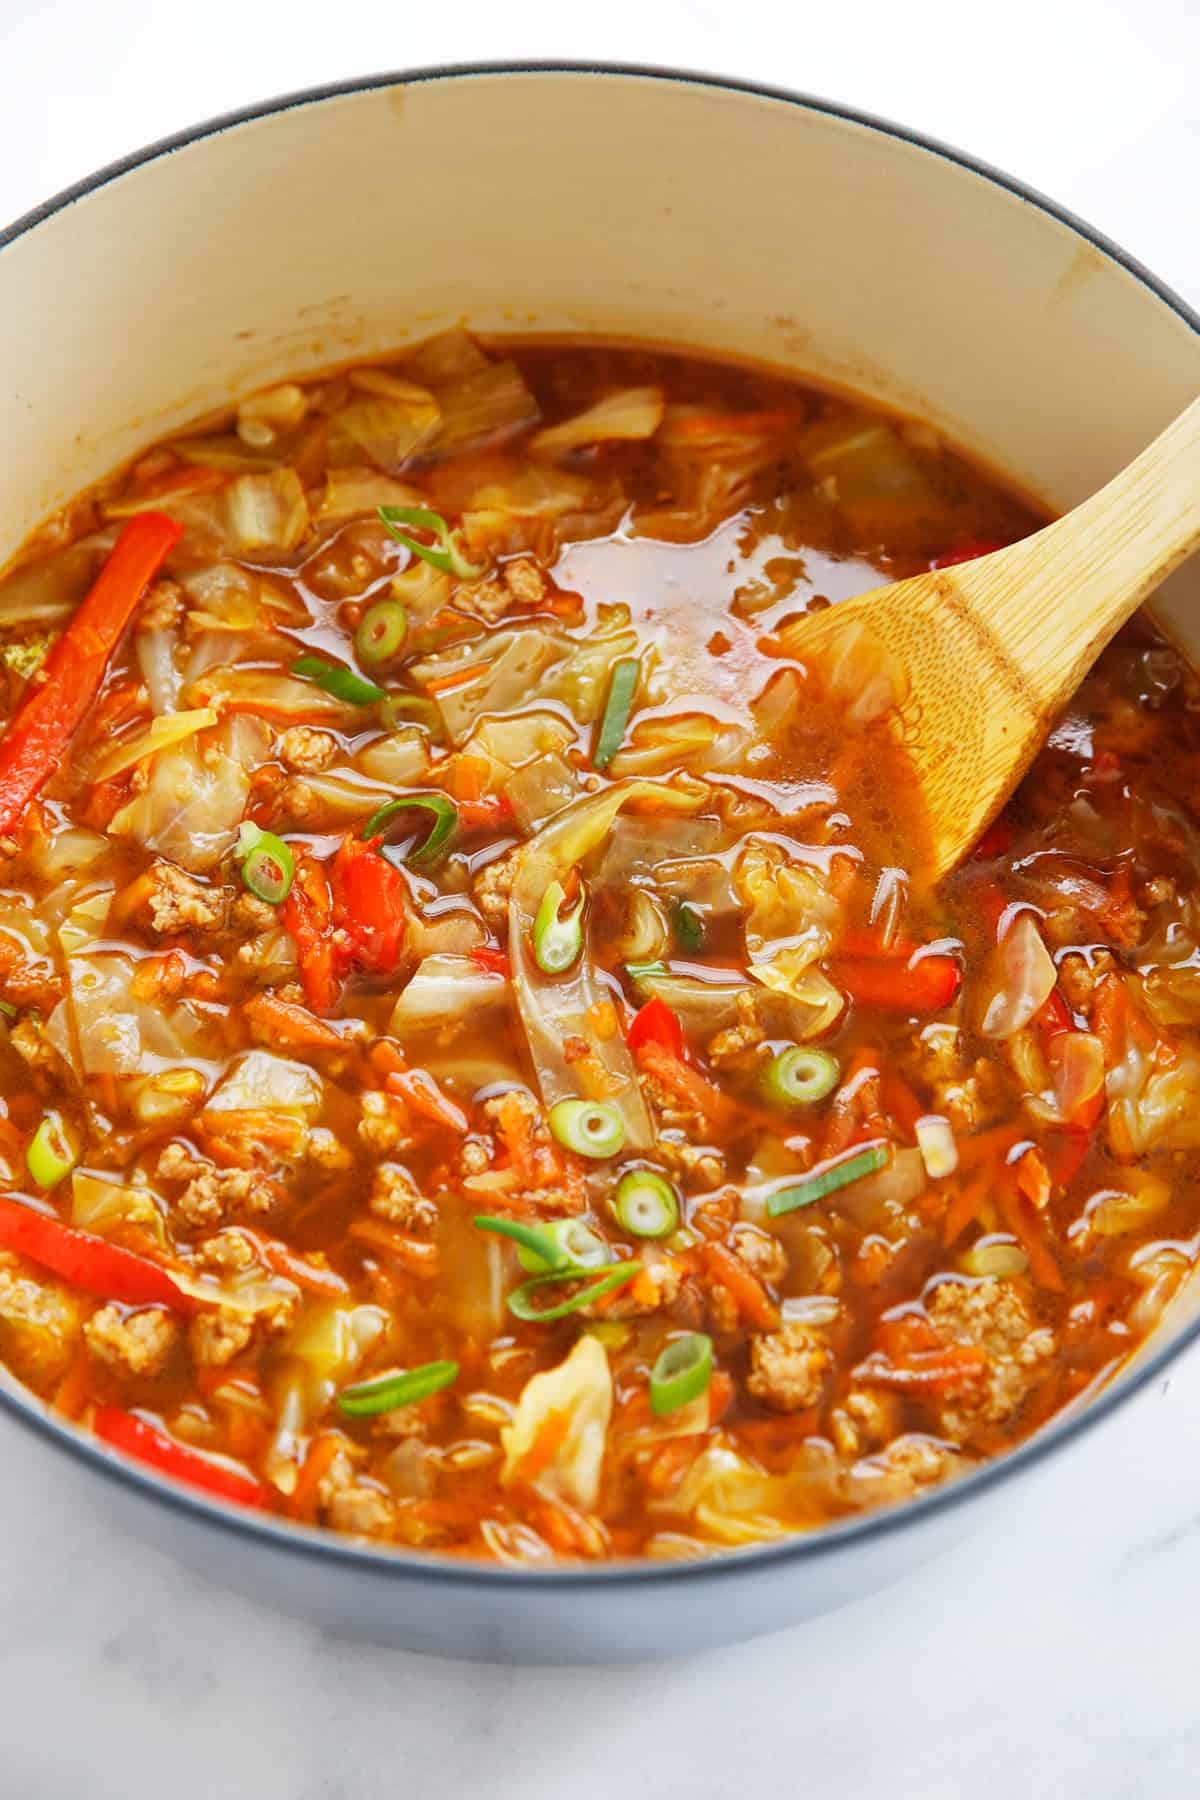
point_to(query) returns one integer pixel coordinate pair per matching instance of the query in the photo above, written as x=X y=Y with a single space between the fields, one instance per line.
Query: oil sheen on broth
x=483 y=1069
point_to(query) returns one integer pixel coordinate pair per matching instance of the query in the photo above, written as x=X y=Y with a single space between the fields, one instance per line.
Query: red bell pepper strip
x=967 y=552
x=307 y=915
x=36 y=741
x=496 y=962
x=126 y=1432
x=370 y=904
x=655 y=1023
x=895 y=984
x=88 y=1262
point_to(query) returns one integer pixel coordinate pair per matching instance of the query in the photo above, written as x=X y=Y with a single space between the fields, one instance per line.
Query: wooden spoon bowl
x=981 y=658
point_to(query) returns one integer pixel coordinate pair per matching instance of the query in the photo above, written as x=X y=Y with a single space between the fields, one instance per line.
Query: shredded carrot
x=287 y=1262
x=418 y=1256
x=688 y=1085
x=386 y=1057
x=70 y=1396
x=963 y=1209
x=320 y=1458
x=441 y=684
x=549 y=1438
x=668 y=1464
x=1033 y=1178
x=286 y=1022
x=753 y=1301
x=469 y=777
x=900 y=1103
x=421 y=1092
x=127 y=900
x=1026 y=1226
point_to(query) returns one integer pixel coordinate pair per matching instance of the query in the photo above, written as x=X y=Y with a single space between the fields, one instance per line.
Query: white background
x=1054 y=1657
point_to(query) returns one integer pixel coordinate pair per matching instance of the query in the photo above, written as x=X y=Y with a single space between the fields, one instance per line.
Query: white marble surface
x=1046 y=1662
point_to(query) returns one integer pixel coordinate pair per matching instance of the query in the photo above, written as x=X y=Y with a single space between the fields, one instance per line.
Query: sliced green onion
x=827 y=1180
x=520 y=1300
x=576 y=1243
x=447 y=554
x=689 y=926
x=589 y=1127
x=342 y=683
x=798 y=1076
x=402 y=708
x=381 y=631
x=558 y=936
x=51 y=1156
x=641 y=971
x=646 y=1204
x=445 y=819
x=621 y=689
x=531 y=1240
x=385 y=1392
x=683 y=1370
x=7 y=1009
x=266 y=862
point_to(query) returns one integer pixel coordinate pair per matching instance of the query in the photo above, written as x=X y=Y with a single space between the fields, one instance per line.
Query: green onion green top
x=827 y=1180
x=689 y=927
x=520 y=1301
x=342 y=683
x=445 y=818
x=447 y=553
x=621 y=689
x=682 y=1371
x=385 y=1392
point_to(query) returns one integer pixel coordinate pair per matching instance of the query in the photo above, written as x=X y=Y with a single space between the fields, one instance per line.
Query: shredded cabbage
x=632 y=413
x=260 y=1081
x=581 y=1389
x=446 y=990
x=160 y=734
x=391 y=423
x=555 y=1008
x=191 y=808
x=267 y=512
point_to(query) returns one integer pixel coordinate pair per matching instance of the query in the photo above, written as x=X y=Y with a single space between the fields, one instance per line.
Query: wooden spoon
x=983 y=657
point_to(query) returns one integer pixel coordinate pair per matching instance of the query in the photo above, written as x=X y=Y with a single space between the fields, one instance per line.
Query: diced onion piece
x=994 y=1256
x=631 y=414
x=937 y=1144
x=398 y=759
x=1019 y=979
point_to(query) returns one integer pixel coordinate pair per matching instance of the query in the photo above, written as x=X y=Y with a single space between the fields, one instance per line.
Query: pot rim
x=430 y=1566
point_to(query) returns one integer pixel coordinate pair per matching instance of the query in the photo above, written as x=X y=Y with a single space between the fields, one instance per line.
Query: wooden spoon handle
x=1055 y=599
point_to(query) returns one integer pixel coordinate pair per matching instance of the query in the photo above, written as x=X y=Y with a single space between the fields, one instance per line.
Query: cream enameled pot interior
x=566 y=201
